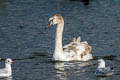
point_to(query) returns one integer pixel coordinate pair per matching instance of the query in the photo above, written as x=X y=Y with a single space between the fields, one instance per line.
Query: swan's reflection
x=6 y=78
x=60 y=73
x=64 y=69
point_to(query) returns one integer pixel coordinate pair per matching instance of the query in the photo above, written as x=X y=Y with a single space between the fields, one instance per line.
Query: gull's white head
x=8 y=61
x=101 y=63
x=56 y=19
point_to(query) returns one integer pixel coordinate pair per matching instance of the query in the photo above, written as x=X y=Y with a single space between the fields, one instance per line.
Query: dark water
x=23 y=38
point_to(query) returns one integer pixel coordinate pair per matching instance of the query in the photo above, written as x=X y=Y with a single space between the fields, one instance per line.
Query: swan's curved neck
x=58 y=38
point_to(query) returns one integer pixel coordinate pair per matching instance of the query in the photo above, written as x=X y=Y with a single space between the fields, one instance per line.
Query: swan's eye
x=52 y=20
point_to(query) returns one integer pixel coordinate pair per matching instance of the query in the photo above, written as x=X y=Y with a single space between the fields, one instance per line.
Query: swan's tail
x=78 y=39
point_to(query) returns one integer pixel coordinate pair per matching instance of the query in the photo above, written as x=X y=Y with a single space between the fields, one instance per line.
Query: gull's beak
x=95 y=63
x=12 y=62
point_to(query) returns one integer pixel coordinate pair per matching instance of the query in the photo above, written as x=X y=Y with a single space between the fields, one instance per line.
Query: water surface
x=23 y=38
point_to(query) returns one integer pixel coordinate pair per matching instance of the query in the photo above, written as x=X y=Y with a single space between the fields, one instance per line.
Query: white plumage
x=75 y=50
x=103 y=71
x=7 y=71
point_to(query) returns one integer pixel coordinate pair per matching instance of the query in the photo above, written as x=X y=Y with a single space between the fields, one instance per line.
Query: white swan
x=102 y=70
x=76 y=50
x=7 y=71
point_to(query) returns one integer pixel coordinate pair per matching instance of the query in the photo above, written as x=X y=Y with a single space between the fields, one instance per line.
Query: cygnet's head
x=101 y=63
x=8 y=61
x=56 y=19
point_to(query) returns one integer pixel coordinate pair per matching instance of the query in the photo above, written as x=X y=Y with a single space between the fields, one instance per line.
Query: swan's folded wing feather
x=66 y=46
x=75 y=50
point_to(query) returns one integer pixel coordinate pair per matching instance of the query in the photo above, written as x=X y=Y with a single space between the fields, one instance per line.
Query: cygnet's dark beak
x=50 y=23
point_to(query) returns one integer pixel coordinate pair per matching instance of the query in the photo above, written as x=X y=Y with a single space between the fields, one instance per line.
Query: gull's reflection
x=6 y=78
x=102 y=78
x=64 y=69
x=86 y=2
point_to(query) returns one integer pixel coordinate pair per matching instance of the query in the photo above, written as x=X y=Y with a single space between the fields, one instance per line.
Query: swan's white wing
x=66 y=46
x=74 y=41
x=77 y=51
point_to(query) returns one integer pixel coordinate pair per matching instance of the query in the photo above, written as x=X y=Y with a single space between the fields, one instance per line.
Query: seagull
x=7 y=71
x=103 y=71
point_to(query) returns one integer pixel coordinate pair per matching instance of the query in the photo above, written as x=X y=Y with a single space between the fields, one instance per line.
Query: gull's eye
x=8 y=61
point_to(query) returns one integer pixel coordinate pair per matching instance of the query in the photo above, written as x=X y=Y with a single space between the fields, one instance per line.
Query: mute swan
x=7 y=71
x=76 y=50
x=102 y=70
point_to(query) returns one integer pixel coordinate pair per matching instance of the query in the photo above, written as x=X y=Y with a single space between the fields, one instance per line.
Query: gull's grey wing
x=3 y=71
x=104 y=71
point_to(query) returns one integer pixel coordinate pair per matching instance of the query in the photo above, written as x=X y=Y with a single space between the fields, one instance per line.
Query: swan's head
x=56 y=19
x=8 y=61
x=101 y=63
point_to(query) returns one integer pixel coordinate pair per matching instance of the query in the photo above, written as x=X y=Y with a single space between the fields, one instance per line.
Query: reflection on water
x=82 y=70
x=102 y=78
x=6 y=78
x=60 y=73
x=63 y=69
x=23 y=38
x=86 y=2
